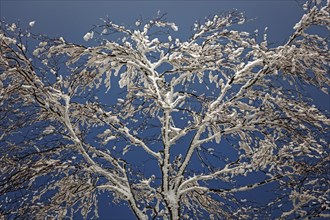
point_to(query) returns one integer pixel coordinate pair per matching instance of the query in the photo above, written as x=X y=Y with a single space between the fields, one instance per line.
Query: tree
x=186 y=130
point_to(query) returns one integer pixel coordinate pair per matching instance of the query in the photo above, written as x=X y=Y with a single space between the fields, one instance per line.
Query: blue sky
x=72 y=19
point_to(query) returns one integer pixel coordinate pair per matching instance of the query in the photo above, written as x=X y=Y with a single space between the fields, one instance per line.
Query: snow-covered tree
x=173 y=128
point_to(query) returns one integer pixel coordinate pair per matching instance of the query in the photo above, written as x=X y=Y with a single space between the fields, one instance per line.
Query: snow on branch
x=166 y=125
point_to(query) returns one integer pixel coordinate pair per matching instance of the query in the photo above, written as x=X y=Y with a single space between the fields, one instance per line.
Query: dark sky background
x=72 y=19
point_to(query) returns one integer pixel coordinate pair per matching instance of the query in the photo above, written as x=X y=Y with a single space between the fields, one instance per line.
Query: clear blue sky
x=72 y=19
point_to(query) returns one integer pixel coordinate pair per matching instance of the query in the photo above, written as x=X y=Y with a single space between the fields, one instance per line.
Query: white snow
x=32 y=23
x=88 y=36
